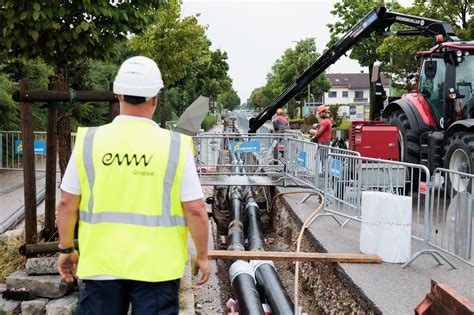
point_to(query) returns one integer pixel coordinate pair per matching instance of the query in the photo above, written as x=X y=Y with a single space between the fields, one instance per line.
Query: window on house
x=359 y=94
x=332 y=94
x=345 y=93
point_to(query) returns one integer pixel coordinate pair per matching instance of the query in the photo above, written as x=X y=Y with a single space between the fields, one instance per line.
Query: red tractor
x=436 y=122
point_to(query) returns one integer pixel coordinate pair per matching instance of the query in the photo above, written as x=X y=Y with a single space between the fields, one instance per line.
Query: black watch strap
x=66 y=250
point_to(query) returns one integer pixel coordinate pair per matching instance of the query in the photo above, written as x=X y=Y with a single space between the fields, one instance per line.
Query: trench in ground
x=324 y=288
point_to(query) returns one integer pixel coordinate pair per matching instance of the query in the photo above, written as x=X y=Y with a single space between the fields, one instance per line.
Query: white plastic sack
x=394 y=241
x=386 y=226
x=370 y=222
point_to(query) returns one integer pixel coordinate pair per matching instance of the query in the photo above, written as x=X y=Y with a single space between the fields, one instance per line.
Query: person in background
x=323 y=135
x=280 y=122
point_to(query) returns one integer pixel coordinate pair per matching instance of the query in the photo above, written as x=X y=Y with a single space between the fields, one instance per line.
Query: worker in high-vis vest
x=134 y=189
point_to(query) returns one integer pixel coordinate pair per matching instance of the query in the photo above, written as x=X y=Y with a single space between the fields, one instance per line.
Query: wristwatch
x=65 y=250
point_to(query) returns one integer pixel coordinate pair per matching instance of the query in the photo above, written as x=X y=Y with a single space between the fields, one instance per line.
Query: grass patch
x=10 y=258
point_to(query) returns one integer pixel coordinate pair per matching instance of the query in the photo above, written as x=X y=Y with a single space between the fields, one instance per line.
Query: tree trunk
x=162 y=102
x=51 y=161
x=64 y=142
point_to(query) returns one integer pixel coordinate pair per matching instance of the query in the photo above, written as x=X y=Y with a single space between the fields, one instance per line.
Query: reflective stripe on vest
x=165 y=219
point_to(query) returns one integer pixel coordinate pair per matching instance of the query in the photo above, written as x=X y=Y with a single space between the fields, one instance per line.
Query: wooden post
x=51 y=160
x=29 y=176
x=114 y=110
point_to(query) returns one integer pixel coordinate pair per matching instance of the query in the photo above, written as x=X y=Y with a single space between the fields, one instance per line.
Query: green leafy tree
x=9 y=115
x=228 y=100
x=39 y=74
x=94 y=75
x=261 y=97
x=182 y=51
x=173 y=43
x=65 y=33
x=290 y=66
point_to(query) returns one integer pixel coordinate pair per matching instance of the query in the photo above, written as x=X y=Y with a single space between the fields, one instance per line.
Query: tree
x=94 y=75
x=182 y=51
x=289 y=67
x=228 y=100
x=39 y=74
x=65 y=33
x=9 y=115
x=173 y=43
x=261 y=97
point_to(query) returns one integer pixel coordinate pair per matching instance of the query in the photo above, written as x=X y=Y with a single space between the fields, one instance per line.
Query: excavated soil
x=324 y=288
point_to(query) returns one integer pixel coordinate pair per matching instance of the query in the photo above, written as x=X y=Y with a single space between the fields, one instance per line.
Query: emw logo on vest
x=134 y=160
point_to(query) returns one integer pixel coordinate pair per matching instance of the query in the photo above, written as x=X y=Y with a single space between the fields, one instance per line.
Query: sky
x=256 y=33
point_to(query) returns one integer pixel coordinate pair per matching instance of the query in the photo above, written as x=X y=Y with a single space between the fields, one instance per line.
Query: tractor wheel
x=459 y=157
x=409 y=146
x=408 y=140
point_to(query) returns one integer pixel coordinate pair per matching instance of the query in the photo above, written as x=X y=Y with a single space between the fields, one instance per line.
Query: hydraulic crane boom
x=378 y=20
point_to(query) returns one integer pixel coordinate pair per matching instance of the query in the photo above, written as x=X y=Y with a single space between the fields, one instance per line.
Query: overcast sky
x=255 y=33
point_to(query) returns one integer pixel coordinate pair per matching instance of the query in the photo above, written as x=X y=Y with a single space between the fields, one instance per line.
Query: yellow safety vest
x=131 y=222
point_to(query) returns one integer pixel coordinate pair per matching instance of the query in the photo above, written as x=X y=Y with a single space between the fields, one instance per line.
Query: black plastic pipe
x=243 y=283
x=235 y=235
x=265 y=272
x=275 y=293
x=255 y=234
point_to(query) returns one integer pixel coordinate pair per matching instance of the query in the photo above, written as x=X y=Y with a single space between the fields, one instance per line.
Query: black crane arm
x=379 y=21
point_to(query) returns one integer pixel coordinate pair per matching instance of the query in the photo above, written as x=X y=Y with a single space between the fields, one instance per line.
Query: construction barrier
x=11 y=150
x=302 y=162
x=349 y=178
x=254 y=152
x=452 y=206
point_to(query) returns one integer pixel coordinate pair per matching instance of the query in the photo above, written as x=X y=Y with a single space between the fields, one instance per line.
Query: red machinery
x=374 y=139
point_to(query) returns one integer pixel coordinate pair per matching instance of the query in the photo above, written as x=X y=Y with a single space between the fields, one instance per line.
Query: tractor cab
x=446 y=83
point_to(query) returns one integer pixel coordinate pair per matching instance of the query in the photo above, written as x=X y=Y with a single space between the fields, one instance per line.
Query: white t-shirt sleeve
x=70 y=182
x=191 y=188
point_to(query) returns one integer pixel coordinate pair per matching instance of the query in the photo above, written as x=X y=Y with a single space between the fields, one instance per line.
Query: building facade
x=352 y=90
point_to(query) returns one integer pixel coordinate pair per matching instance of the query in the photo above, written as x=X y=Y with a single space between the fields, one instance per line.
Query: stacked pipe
x=242 y=276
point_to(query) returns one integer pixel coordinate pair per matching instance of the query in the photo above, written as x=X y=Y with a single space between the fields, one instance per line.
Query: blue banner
x=302 y=158
x=39 y=147
x=335 y=169
x=244 y=146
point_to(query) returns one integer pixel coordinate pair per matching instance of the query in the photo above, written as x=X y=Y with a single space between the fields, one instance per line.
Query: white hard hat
x=138 y=76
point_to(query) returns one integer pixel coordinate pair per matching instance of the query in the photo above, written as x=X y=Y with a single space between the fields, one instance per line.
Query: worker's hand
x=205 y=266
x=67 y=264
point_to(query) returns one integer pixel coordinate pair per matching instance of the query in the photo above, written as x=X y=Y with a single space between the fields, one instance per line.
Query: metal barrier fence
x=442 y=218
x=348 y=177
x=11 y=149
x=452 y=216
x=302 y=162
x=214 y=150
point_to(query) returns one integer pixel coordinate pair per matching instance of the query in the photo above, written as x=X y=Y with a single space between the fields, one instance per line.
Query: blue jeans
x=114 y=296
